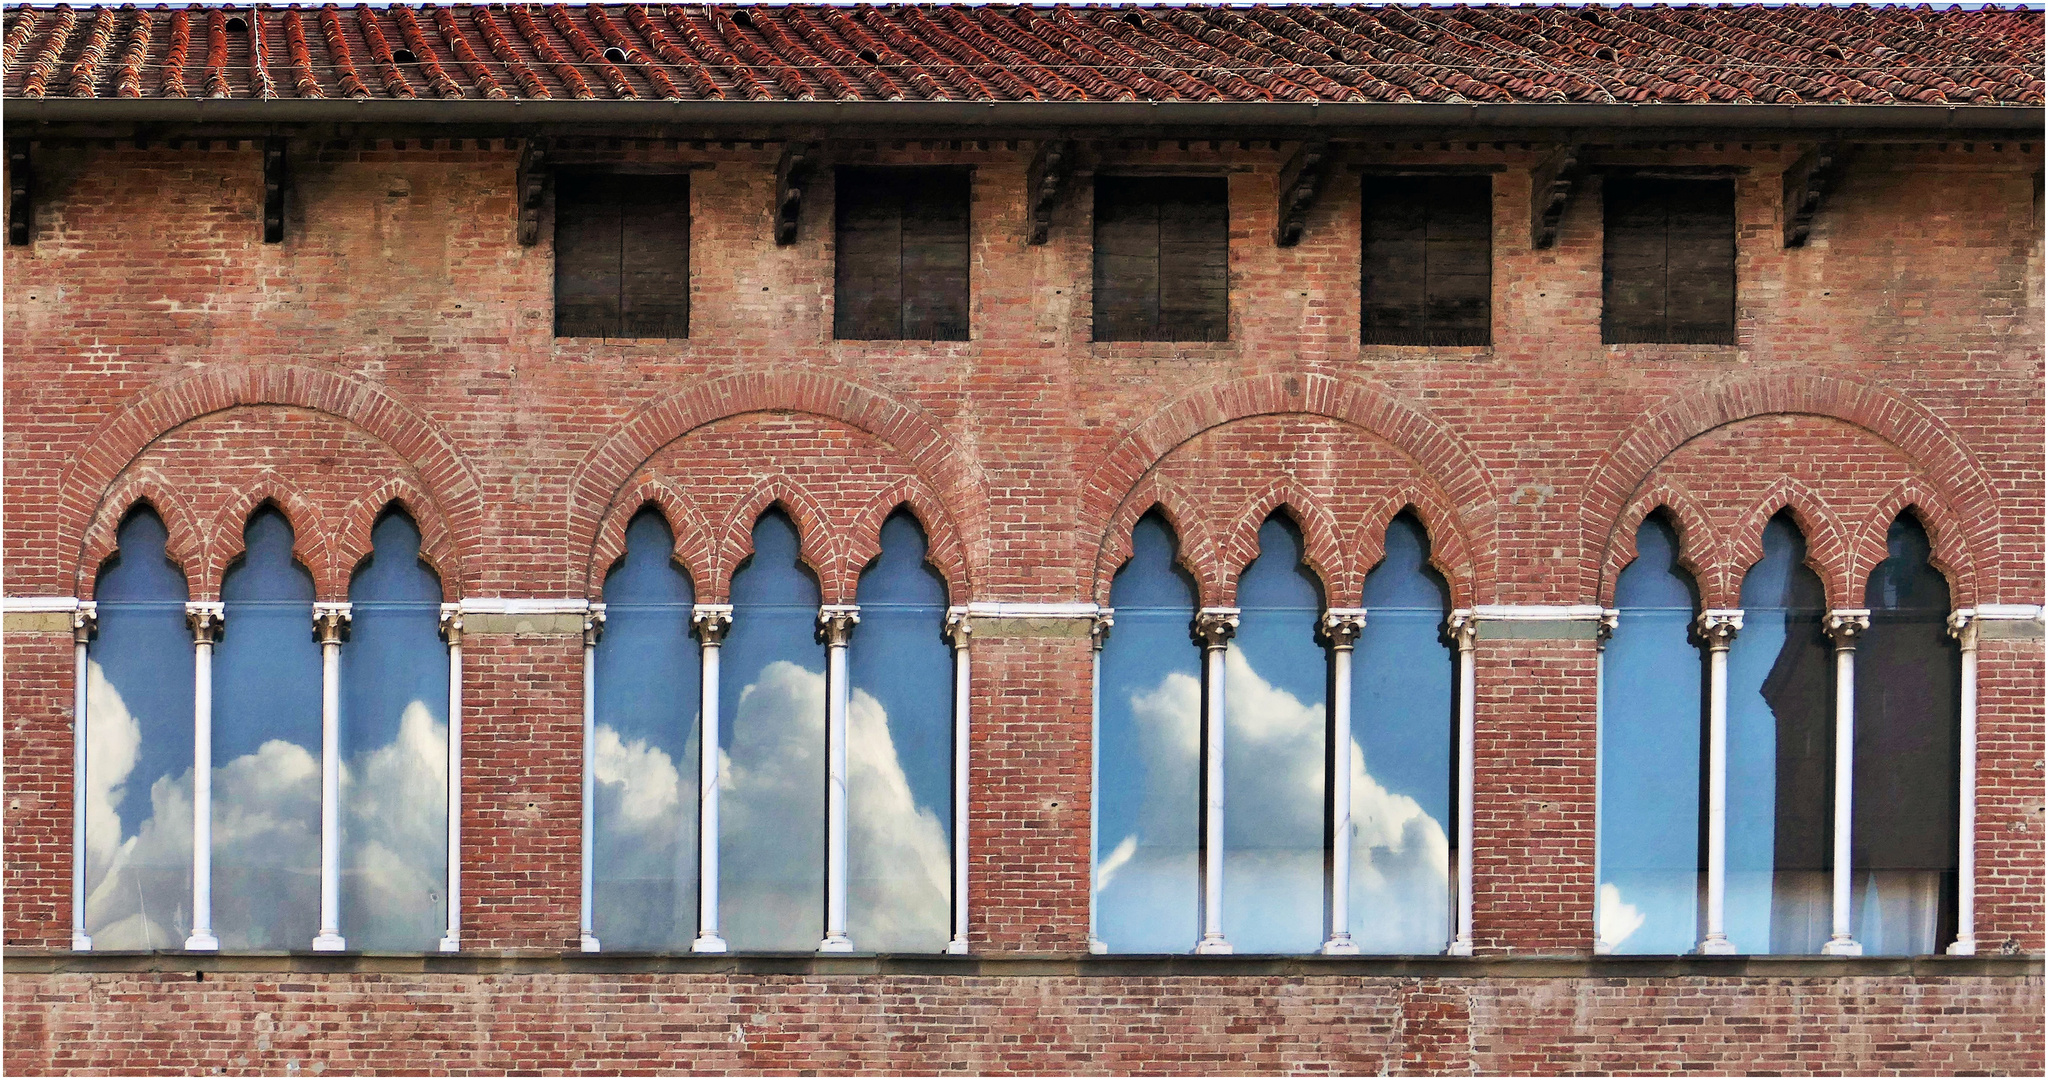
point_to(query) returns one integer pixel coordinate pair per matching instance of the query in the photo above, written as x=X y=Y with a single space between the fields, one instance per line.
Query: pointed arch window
x=139 y=735
x=394 y=749
x=646 y=760
x=1650 y=755
x=1908 y=736
x=266 y=743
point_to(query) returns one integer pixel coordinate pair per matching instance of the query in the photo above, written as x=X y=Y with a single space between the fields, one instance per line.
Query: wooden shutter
x=622 y=256
x=1428 y=260
x=1669 y=272
x=1162 y=259
x=902 y=258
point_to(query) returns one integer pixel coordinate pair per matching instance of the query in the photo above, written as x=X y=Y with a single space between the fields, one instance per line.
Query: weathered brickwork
x=398 y=346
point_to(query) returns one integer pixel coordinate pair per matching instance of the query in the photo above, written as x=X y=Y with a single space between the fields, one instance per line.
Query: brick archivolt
x=1723 y=458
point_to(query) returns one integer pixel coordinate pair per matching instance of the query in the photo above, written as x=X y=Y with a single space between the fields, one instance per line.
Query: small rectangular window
x=1162 y=258
x=1429 y=260
x=902 y=254
x=1669 y=274
x=622 y=256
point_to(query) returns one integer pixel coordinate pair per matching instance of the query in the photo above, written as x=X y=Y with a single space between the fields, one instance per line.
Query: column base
x=836 y=943
x=1097 y=947
x=202 y=941
x=589 y=943
x=451 y=943
x=1717 y=946
x=708 y=943
x=1842 y=947
x=1340 y=945
x=1964 y=946
x=330 y=943
x=81 y=942
x=1459 y=947
x=956 y=947
x=1213 y=946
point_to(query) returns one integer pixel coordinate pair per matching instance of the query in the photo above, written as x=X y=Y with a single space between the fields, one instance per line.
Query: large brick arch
x=1955 y=475
x=600 y=478
x=1439 y=454
x=417 y=440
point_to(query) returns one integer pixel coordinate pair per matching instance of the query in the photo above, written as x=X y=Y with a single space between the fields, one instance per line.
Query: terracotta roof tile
x=1006 y=52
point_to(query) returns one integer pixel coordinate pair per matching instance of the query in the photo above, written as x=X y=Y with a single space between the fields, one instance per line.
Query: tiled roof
x=1192 y=53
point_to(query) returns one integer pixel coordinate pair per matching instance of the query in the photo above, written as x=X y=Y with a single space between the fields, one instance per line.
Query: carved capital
x=1214 y=627
x=1341 y=626
x=330 y=623
x=958 y=630
x=1846 y=626
x=1962 y=626
x=593 y=625
x=710 y=622
x=1717 y=627
x=85 y=622
x=451 y=623
x=205 y=620
x=1605 y=626
x=836 y=623
x=1098 y=631
x=1462 y=628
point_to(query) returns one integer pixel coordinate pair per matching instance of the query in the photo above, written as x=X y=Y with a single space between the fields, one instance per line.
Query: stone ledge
x=37 y=962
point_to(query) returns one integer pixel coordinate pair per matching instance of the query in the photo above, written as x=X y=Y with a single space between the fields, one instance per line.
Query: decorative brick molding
x=1699 y=544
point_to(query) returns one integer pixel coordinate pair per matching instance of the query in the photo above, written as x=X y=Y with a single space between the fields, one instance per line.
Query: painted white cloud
x=266 y=840
x=1273 y=826
x=1615 y=919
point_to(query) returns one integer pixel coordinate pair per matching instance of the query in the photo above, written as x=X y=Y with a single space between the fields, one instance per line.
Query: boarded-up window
x=902 y=269
x=1162 y=251
x=1670 y=267
x=622 y=256
x=1429 y=260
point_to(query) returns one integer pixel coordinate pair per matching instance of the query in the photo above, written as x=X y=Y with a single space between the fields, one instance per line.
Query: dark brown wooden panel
x=622 y=255
x=1162 y=258
x=587 y=228
x=868 y=267
x=1669 y=269
x=1428 y=260
x=935 y=254
x=902 y=261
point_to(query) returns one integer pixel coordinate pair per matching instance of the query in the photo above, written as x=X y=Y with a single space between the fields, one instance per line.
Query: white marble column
x=958 y=633
x=1845 y=626
x=710 y=623
x=1214 y=627
x=330 y=626
x=593 y=628
x=1963 y=626
x=1340 y=627
x=1717 y=627
x=1464 y=630
x=451 y=629
x=835 y=629
x=84 y=624
x=1603 y=632
x=205 y=619
x=1098 y=636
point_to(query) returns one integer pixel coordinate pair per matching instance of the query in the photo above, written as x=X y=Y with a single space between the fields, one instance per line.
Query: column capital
x=1605 y=626
x=1846 y=625
x=330 y=622
x=1962 y=626
x=451 y=623
x=1214 y=627
x=1341 y=626
x=710 y=622
x=1717 y=627
x=1462 y=627
x=85 y=622
x=836 y=623
x=593 y=625
x=205 y=619
x=957 y=631
x=1098 y=630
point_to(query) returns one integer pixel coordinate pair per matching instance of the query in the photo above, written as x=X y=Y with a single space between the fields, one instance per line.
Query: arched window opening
x=139 y=740
x=900 y=751
x=1403 y=728
x=645 y=768
x=771 y=827
x=1275 y=748
x=394 y=749
x=1650 y=756
x=1780 y=754
x=1908 y=734
x=1147 y=882
x=266 y=746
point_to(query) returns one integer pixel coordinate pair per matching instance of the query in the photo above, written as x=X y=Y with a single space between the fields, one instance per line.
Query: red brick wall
x=398 y=345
